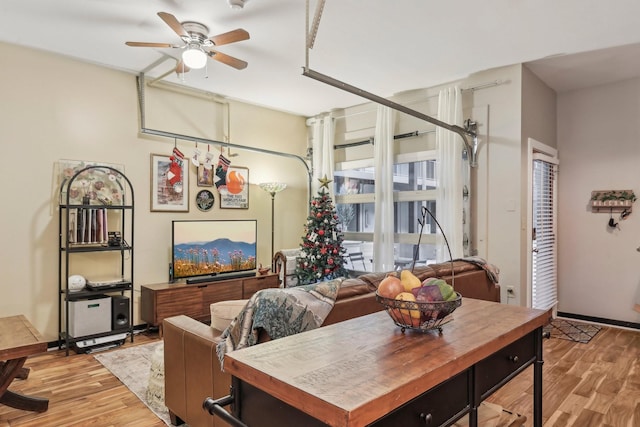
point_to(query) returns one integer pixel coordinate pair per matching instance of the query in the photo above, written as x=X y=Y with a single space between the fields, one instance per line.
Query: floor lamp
x=273 y=188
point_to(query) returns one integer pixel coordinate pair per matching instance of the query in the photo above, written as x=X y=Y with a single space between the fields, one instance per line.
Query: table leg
x=27 y=403
x=537 y=381
x=23 y=374
x=9 y=370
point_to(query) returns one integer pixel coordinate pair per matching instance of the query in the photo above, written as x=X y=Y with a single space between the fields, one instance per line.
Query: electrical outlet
x=511 y=291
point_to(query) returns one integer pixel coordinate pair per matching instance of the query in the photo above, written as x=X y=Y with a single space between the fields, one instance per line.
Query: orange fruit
x=389 y=287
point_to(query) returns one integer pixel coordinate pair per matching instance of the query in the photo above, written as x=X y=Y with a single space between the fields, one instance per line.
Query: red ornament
x=330 y=261
x=335 y=251
x=319 y=215
x=323 y=251
x=320 y=232
x=327 y=271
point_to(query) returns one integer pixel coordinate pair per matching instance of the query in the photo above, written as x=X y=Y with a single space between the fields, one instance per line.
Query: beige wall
x=56 y=108
x=599 y=273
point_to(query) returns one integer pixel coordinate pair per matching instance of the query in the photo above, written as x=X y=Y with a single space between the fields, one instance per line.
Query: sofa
x=192 y=368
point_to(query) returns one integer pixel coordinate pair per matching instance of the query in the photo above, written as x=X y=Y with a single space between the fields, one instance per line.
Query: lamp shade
x=194 y=57
x=273 y=187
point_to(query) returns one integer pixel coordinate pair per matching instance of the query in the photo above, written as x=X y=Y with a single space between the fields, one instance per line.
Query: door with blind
x=544 y=292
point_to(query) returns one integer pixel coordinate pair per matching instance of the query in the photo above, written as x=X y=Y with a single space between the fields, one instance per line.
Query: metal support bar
x=465 y=133
x=215 y=407
x=372 y=141
x=140 y=80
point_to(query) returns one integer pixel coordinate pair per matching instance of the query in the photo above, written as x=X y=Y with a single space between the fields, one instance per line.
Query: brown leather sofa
x=192 y=369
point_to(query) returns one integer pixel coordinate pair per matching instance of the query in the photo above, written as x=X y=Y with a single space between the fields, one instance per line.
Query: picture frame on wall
x=205 y=176
x=169 y=184
x=99 y=183
x=234 y=189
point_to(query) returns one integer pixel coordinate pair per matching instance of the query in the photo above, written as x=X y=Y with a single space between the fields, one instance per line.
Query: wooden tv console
x=161 y=300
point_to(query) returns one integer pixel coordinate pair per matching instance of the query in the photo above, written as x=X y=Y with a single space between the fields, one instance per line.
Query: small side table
x=18 y=340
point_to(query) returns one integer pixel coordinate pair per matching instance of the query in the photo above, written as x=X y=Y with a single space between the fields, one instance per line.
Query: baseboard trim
x=620 y=323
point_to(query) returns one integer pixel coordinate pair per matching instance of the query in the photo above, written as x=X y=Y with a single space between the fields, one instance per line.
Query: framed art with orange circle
x=234 y=192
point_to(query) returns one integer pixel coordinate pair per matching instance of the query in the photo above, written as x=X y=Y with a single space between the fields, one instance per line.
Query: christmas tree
x=321 y=254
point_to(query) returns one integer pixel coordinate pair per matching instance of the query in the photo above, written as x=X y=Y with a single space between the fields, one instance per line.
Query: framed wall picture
x=169 y=184
x=205 y=176
x=234 y=188
x=99 y=184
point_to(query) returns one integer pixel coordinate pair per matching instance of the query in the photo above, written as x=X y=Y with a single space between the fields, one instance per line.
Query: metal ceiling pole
x=173 y=136
x=465 y=133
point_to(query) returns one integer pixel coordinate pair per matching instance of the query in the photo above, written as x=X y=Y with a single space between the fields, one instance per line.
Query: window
x=414 y=186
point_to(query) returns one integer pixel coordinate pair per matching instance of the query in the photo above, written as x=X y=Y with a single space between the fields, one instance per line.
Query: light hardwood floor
x=585 y=385
x=81 y=392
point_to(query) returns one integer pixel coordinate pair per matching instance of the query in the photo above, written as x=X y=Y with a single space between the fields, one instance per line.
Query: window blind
x=544 y=281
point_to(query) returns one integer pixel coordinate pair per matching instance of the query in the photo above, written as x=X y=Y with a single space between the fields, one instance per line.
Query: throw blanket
x=280 y=313
x=492 y=271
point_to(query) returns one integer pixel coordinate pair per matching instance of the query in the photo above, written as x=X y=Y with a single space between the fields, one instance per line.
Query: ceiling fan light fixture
x=236 y=4
x=194 y=57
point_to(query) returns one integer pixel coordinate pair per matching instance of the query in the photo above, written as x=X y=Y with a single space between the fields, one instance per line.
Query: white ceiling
x=381 y=46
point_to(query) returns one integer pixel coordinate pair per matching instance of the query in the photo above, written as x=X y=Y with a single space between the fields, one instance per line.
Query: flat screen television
x=212 y=247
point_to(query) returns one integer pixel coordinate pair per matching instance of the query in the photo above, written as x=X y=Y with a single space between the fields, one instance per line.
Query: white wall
x=497 y=181
x=599 y=149
x=498 y=177
x=55 y=108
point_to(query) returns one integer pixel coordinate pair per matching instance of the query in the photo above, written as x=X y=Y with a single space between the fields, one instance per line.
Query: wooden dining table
x=19 y=339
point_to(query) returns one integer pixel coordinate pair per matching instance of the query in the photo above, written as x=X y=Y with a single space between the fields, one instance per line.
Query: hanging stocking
x=174 y=176
x=221 y=172
x=208 y=160
x=195 y=159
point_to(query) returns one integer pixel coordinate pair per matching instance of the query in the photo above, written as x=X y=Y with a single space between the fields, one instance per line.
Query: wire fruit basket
x=419 y=316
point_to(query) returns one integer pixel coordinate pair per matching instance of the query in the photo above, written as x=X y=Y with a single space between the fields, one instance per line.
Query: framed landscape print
x=234 y=192
x=169 y=184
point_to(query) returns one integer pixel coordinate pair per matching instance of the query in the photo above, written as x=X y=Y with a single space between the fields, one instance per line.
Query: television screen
x=208 y=247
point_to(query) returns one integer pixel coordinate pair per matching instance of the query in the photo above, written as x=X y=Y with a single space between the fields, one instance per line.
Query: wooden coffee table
x=18 y=340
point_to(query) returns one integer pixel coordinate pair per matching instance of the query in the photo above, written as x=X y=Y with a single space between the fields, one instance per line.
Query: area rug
x=572 y=331
x=132 y=366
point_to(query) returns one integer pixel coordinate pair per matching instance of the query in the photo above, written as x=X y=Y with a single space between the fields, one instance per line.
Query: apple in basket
x=434 y=291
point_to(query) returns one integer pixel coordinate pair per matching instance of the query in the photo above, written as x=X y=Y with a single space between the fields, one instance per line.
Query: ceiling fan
x=197 y=44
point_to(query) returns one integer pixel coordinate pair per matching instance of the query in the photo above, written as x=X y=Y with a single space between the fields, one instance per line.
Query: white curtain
x=449 y=173
x=323 y=133
x=384 y=220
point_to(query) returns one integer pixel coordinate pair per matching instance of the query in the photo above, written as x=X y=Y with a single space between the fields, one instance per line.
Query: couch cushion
x=353 y=287
x=223 y=312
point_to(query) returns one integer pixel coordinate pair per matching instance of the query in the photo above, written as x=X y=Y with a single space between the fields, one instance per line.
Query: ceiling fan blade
x=175 y=25
x=145 y=44
x=229 y=60
x=230 y=37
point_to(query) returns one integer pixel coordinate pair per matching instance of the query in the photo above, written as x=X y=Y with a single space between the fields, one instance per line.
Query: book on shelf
x=88 y=226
